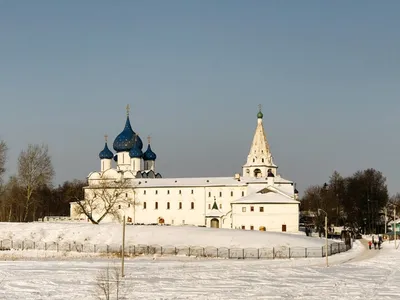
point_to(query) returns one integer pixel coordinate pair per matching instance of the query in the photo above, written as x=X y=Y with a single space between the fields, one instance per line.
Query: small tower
x=149 y=158
x=106 y=157
x=136 y=156
x=259 y=161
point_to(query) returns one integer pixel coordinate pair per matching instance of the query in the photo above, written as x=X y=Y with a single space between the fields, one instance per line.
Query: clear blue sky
x=326 y=72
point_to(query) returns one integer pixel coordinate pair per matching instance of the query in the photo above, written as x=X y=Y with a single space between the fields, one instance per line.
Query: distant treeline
x=29 y=194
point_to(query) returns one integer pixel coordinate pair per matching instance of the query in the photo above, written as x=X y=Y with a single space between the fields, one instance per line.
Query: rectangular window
x=243 y=227
x=242 y=194
x=209 y=206
x=156 y=192
x=232 y=194
x=220 y=206
x=126 y=195
x=180 y=205
x=156 y=205
x=243 y=209
x=119 y=206
x=192 y=205
x=209 y=194
x=183 y=222
x=220 y=194
x=251 y=227
x=251 y=208
x=129 y=205
x=144 y=205
x=180 y=192
x=261 y=209
x=172 y=222
x=192 y=191
x=144 y=192
x=168 y=205
x=167 y=192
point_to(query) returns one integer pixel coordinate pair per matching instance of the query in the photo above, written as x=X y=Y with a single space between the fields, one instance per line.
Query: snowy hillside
x=107 y=234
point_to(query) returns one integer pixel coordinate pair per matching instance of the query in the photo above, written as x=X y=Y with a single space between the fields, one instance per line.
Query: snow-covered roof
x=187 y=182
x=215 y=213
x=267 y=196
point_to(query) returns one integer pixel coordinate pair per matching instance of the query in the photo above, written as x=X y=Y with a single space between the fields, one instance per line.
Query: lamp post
x=394 y=227
x=326 y=234
x=123 y=248
x=385 y=220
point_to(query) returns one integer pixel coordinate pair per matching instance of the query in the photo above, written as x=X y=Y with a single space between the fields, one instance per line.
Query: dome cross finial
x=148 y=139
x=105 y=138
x=260 y=114
x=127 y=110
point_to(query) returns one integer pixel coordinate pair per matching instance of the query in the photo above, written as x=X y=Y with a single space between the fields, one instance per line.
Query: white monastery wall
x=271 y=216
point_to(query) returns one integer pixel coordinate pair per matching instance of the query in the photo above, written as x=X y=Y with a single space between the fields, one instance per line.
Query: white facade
x=206 y=201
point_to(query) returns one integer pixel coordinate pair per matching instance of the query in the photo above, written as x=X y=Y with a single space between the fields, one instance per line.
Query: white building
x=259 y=199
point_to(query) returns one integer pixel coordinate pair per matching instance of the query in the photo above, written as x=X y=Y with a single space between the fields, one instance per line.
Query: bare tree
x=103 y=199
x=34 y=170
x=109 y=284
x=3 y=157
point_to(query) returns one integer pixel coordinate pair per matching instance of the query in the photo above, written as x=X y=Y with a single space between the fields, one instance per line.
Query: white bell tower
x=259 y=161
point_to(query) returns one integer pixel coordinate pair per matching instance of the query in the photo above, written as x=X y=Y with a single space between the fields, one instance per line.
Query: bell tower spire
x=259 y=161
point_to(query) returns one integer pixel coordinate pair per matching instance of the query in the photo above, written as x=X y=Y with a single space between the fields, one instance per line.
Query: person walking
x=369 y=245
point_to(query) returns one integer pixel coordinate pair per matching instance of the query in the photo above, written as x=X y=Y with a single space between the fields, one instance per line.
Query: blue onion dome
x=106 y=153
x=136 y=152
x=149 y=154
x=124 y=141
x=137 y=142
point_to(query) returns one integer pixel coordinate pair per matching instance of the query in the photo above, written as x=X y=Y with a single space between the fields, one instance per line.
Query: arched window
x=156 y=205
x=262 y=159
x=144 y=205
x=180 y=205
x=192 y=205
x=168 y=205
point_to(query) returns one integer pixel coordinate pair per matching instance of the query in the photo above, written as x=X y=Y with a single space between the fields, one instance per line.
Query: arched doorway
x=214 y=223
x=257 y=173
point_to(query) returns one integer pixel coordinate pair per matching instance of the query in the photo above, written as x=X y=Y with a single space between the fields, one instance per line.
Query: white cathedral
x=257 y=199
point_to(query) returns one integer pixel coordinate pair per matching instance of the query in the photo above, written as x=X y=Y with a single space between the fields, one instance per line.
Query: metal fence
x=212 y=252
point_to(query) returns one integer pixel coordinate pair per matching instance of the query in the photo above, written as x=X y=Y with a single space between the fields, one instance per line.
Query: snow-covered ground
x=357 y=274
x=111 y=233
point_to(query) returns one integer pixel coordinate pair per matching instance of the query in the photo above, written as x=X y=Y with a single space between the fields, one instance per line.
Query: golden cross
x=105 y=137
x=148 y=139
x=259 y=107
x=127 y=110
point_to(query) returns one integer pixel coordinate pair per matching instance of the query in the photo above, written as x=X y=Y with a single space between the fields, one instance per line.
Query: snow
x=111 y=233
x=356 y=274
